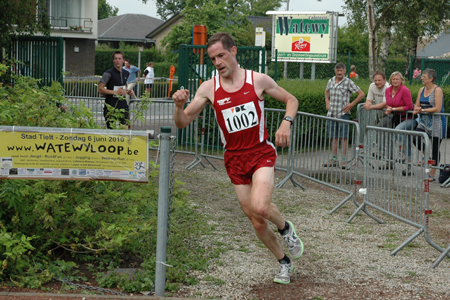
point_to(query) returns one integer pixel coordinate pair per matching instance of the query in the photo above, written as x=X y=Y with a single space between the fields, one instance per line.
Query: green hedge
x=326 y=70
x=103 y=61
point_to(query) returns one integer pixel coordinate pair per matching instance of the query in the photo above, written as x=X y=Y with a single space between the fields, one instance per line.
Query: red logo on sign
x=301 y=45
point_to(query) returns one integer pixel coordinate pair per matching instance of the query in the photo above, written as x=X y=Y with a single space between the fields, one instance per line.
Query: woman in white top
x=149 y=76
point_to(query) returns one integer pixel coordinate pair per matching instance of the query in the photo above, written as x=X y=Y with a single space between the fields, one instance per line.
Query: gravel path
x=341 y=260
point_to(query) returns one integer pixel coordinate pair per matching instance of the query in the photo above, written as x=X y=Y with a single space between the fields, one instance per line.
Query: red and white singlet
x=240 y=115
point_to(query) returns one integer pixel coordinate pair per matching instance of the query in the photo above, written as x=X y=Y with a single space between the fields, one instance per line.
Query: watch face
x=288 y=119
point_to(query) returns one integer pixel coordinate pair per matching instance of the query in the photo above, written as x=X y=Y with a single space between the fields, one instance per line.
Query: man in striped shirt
x=337 y=100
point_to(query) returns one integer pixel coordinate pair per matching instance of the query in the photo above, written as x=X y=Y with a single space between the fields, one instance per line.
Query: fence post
x=276 y=65
x=301 y=71
x=411 y=68
x=163 y=208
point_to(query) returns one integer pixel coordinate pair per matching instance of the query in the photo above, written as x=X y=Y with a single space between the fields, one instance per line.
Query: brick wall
x=81 y=63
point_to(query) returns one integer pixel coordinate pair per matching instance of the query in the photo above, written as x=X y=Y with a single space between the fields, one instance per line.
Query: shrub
x=48 y=227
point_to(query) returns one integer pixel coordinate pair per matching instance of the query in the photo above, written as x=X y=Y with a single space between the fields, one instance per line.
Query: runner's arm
x=183 y=117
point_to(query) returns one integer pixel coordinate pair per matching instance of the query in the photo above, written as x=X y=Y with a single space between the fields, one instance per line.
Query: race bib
x=116 y=87
x=240 y=117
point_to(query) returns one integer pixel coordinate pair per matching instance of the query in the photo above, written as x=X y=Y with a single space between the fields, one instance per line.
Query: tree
x=259 y=8
x=219 y=15
x=351 y=39
x=167 y=8
x=405 y=20
x=105 y=10
x=21 y=17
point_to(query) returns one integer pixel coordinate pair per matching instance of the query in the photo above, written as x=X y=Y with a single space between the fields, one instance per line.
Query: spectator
x=430 y=100
x=376 y=96
x=398 y=102
x=131 y=82
x=149 y=77
x=113 y=85
x=416 y=75
x=337 y=101
x=353 y=73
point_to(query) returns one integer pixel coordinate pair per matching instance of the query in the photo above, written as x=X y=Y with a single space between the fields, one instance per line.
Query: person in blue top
x=133 y=70
x=430 y=100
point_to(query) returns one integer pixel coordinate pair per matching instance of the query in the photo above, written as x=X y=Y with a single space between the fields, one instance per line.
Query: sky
x=137 y=7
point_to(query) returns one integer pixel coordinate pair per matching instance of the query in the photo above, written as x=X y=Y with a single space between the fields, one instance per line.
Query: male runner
x=237 y=96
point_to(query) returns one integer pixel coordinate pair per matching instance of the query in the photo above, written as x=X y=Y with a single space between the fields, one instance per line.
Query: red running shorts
x=241 y=164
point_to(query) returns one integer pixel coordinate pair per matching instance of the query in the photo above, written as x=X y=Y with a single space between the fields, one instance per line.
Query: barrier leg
x=440 y=258
x=356 y=212
x=291 y=178
x=409 y=240
x=340 y=204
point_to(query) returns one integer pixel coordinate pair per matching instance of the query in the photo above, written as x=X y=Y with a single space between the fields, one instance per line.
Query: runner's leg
x=255 y=201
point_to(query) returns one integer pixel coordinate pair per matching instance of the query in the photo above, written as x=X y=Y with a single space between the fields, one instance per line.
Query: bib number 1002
x=240 y=117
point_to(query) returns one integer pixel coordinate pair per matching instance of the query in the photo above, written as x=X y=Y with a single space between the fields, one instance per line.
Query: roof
x=128 y=27
x=265 y=22
x=163 y=25
x=436 y=48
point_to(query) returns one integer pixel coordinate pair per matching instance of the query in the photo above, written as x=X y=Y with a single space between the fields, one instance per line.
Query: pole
x=349 y=60
x=163 y=208
x=301 y=70
x=139 y=66
x=285 y=63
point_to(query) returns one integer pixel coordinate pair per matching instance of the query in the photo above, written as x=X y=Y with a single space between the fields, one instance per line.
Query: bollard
x=163 y=207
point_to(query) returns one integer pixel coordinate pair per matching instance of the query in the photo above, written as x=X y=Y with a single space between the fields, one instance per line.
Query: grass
x=213 y=280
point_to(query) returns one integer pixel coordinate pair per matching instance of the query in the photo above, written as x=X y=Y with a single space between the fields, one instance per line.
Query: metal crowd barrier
x=391 y=190
x=387 y=190
x=366 y=118
x=81 y=86
x=371 y=118
x=94 y=104
x=87 y=87
x=311 y=155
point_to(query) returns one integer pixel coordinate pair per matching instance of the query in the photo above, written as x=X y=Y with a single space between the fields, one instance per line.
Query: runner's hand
x=180 y=97
x=282 y=137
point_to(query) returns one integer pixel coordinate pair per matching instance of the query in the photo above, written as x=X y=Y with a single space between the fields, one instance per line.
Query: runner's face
x=222 y=59
x=339 y=73
x=118 y=61
x=379 y=81
x=127 y=65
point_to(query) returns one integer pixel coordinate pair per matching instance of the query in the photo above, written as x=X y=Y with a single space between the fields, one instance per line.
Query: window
x=65 y=13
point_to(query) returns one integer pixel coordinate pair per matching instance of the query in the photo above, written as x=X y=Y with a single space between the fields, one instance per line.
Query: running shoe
x=331 y=163
x=284 y=276
x=293 y=242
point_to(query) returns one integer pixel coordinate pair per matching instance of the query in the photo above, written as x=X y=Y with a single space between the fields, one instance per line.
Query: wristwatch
x=289 y=119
